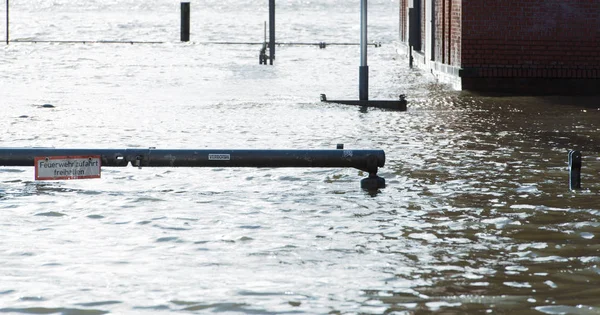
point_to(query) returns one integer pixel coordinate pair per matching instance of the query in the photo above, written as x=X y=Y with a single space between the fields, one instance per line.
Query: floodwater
x=477 y=216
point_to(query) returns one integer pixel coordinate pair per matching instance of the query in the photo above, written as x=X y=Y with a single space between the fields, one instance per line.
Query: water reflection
x=508 y=234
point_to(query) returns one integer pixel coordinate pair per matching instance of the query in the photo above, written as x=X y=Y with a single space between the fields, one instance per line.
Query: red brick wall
x=456 y=34
x=424 y=9
x=531 y=38
x=439 y=30
x=447 y=31
x=403 y=20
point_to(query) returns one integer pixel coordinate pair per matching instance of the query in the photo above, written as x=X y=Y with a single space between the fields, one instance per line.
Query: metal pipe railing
x=320 y=44
x=365 y=160
x=203 y=158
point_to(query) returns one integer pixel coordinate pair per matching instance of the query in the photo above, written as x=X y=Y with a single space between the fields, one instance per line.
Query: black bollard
x=185 y=21
x=574 y=170
x=271 y=31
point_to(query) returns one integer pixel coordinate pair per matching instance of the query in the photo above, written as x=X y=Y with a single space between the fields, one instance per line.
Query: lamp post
x=363 y=80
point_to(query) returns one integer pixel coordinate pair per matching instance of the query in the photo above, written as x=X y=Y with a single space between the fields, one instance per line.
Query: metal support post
x=373 y=182
x=185 y=21
x=7 y=22
x=271 y=31
x=363 y=76
x=363 y=81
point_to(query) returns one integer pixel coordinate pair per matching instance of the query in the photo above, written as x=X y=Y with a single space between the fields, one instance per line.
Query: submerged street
x=477 y=215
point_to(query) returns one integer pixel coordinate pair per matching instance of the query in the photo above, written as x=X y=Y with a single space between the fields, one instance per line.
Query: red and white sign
x=67 y=167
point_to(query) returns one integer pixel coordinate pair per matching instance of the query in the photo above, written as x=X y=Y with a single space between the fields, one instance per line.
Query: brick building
x=516 y=46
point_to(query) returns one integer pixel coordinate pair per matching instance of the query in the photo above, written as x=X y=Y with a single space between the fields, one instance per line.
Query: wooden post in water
x=271 y=31
x=185 y=21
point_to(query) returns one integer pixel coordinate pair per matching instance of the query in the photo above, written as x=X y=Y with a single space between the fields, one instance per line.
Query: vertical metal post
x=363 y=80
x=185 y=21
x=574 y=170
x=271 y=31
x=433 y=27
x=7 y=16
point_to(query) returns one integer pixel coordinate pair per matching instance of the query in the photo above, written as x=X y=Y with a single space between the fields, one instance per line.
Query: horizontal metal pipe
x=197 y=43
x=364 y=160
x=85 y=41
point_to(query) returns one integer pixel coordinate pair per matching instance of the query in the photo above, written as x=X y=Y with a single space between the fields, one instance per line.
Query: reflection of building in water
x=538 y=46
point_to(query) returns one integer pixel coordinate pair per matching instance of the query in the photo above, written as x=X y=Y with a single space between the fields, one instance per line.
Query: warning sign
x=67 y=167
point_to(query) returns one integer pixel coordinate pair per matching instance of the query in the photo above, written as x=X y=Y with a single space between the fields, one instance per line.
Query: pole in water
x=185 y=21
x=262 y=55
x=574 y=170
x=363 y=80
x=363 y=86
x=271 y=31
x=7 y=16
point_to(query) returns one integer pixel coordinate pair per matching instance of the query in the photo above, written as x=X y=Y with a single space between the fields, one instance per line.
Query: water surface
x=477 y=216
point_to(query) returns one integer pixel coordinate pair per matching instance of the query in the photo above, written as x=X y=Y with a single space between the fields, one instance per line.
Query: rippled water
x=477 y=216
